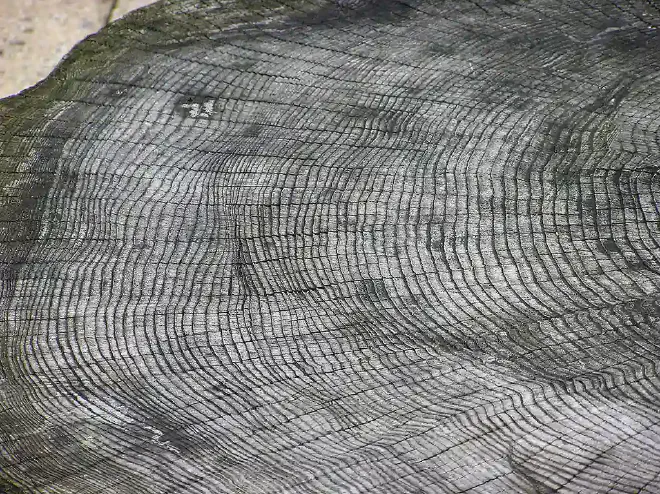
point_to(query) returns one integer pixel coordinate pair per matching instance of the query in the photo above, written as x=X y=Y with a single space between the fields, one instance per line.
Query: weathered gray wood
x=316 y=247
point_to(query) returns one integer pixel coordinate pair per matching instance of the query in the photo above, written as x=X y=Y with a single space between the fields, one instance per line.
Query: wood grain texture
x=337 y=247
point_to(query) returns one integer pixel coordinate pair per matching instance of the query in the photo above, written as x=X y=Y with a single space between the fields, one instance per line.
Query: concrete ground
x=36 y=34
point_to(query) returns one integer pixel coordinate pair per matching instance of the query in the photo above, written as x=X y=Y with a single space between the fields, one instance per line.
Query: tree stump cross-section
x=348 y=246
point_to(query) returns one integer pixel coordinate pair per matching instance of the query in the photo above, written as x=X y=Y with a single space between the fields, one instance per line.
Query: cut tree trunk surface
x=337 y=247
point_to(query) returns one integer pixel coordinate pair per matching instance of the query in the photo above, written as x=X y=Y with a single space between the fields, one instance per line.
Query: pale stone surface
x=36 y=34
x=125 y=6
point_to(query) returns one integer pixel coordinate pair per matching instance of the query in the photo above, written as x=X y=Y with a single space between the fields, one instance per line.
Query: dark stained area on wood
x=341 y=246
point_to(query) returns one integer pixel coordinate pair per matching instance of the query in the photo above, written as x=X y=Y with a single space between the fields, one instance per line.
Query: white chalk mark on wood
x=204 y=110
